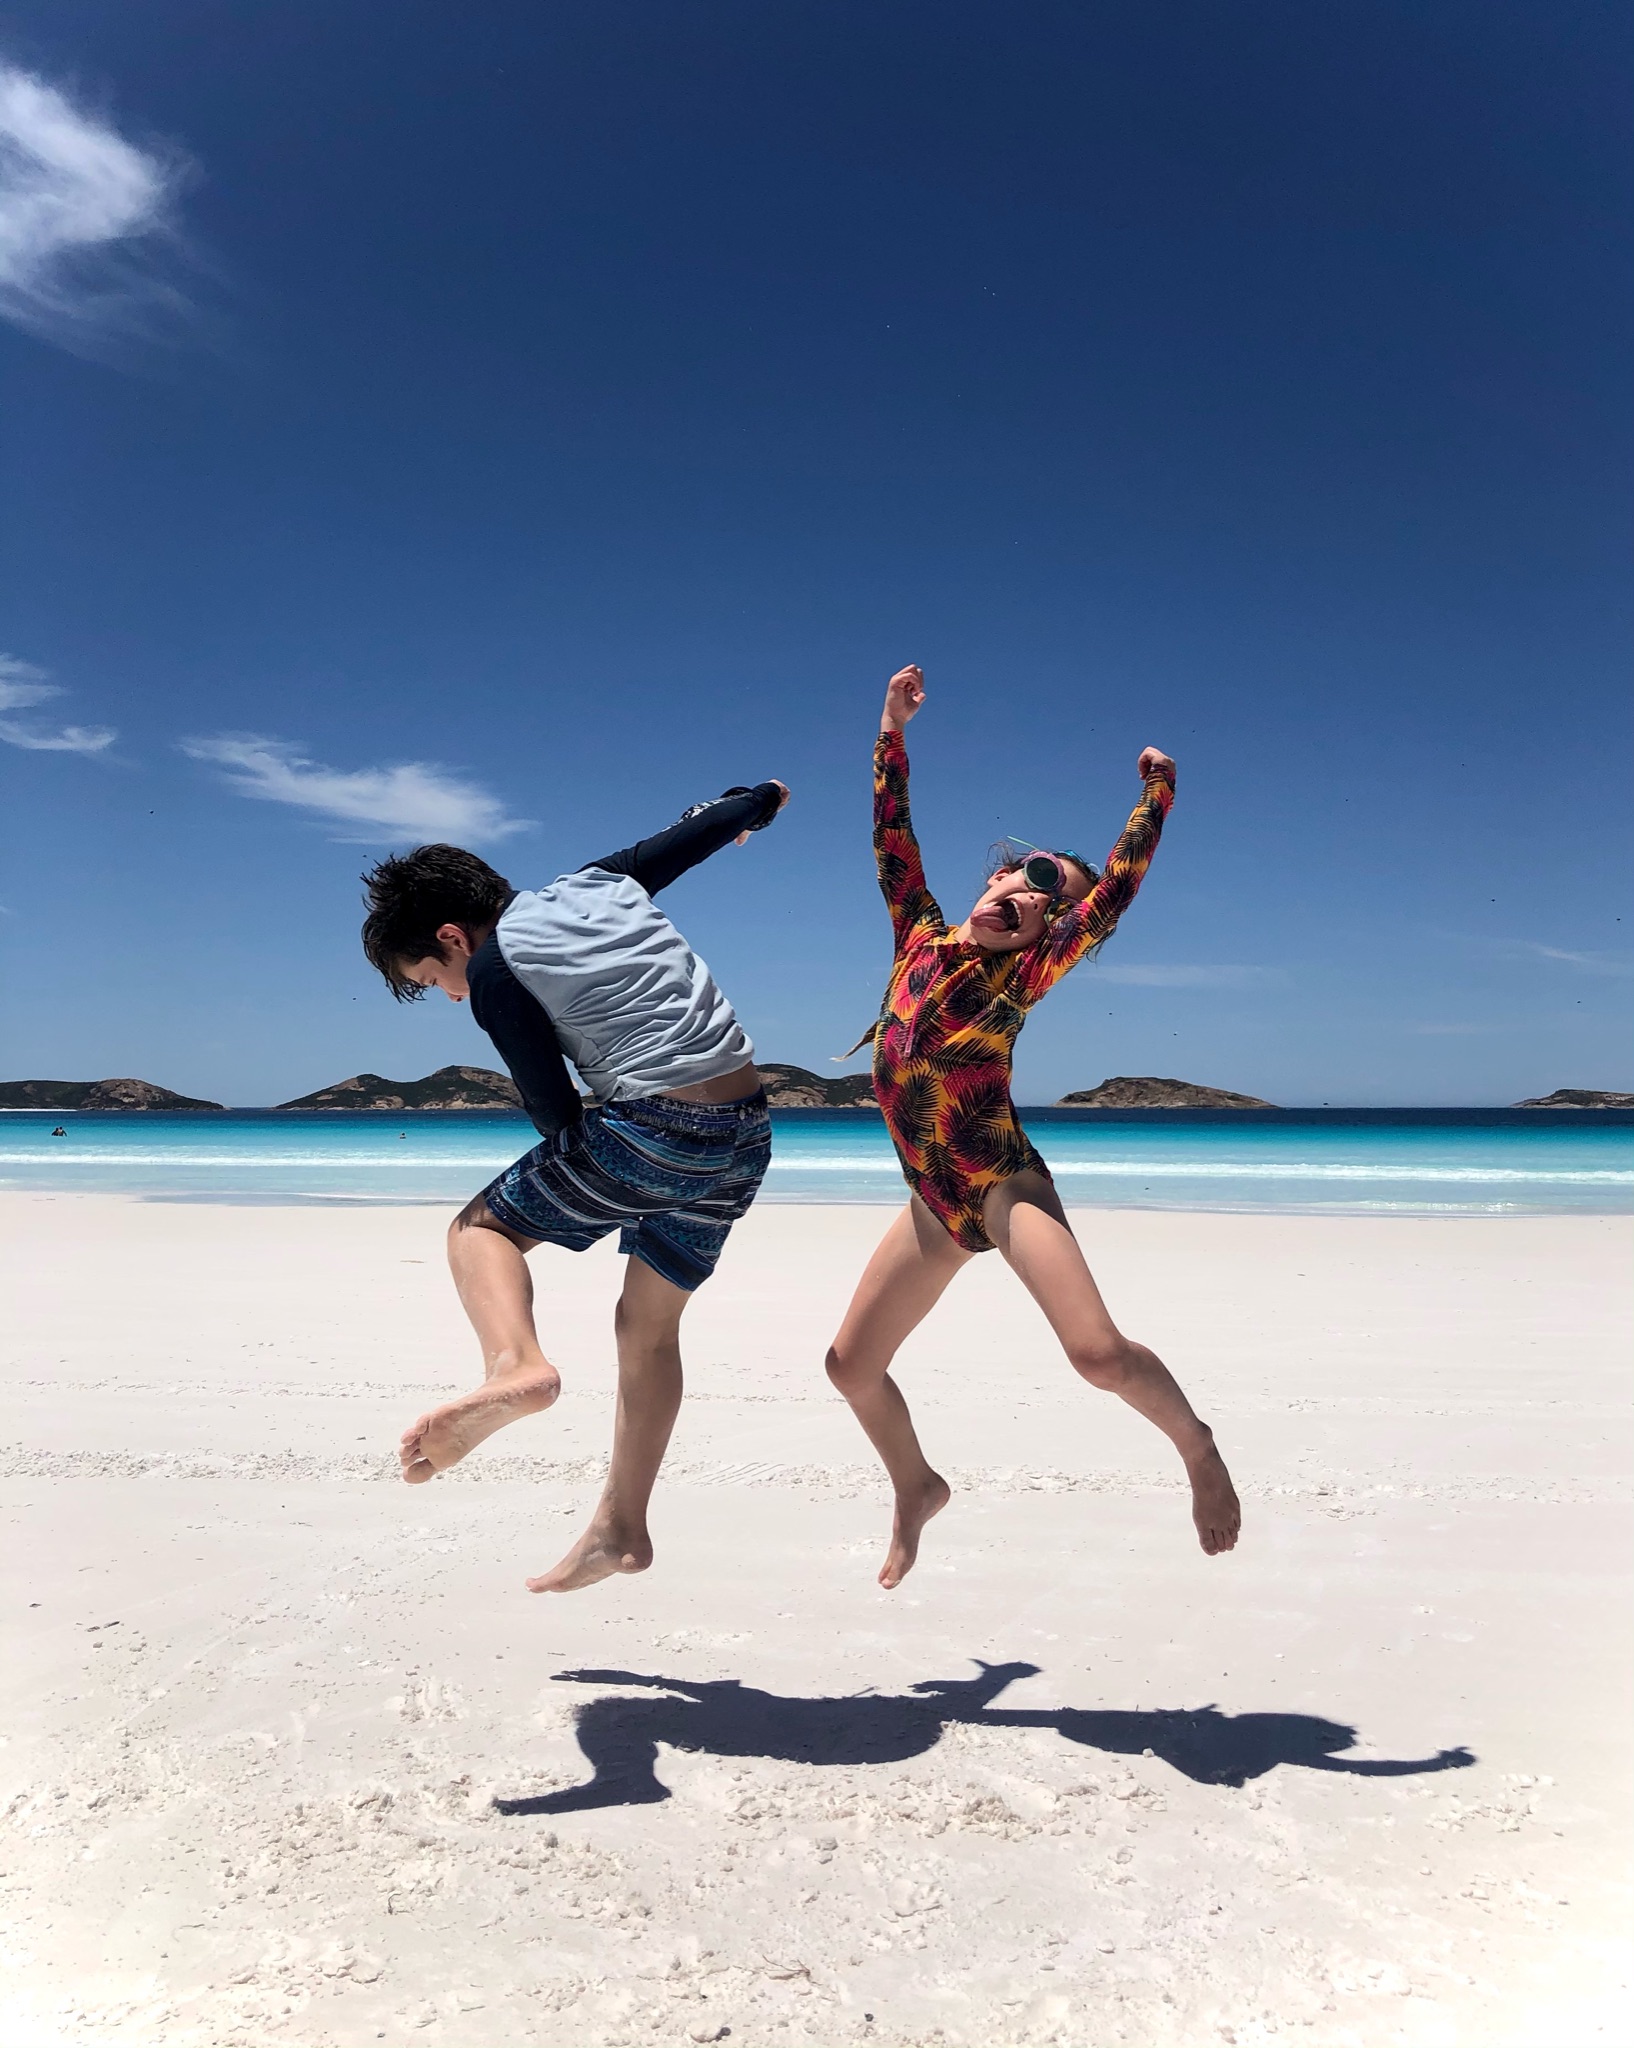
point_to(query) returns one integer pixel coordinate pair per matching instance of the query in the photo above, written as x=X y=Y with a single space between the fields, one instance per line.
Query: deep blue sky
x=600 y=400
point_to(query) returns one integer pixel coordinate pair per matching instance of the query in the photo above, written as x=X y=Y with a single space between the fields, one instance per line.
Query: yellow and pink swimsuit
x=948 y=1026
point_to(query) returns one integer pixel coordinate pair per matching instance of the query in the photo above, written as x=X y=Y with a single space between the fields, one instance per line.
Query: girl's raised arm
x=1085 y=925
x=896 y=850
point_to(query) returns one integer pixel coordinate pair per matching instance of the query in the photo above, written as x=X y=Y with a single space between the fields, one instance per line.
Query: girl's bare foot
x=600 y=1553
x=912 y=1513
x=444 y=1435
x=1214 y=1504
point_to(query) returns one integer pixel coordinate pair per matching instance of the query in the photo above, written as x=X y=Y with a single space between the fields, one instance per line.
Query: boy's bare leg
x=900 y=1286
x=1025 y=1220
x=491 y=1273
x=647 y=1325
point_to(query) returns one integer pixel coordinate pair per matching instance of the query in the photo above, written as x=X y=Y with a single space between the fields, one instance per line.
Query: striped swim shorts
x=672 y=1178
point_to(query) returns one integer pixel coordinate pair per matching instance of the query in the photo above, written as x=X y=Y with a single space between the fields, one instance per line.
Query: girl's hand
x=904 y=694
x=1151 y=761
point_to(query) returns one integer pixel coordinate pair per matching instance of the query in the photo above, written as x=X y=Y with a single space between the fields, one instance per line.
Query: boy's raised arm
x=695 y=835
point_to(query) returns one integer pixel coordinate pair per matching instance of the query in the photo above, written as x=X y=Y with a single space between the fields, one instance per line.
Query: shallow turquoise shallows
x=1377 y=1162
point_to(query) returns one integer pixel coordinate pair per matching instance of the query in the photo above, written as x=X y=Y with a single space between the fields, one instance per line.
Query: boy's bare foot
x=444 y=1435
x=600 y=1553
x=912 y=1513
x=1214 y=1504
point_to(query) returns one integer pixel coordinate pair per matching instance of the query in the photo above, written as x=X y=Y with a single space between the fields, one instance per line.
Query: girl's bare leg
x=902 y=1283
x=1025 y=1220
x=647 y=1324
x=491 y=1273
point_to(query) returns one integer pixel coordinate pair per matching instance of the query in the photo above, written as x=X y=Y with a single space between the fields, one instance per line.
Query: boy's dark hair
x=412 y=894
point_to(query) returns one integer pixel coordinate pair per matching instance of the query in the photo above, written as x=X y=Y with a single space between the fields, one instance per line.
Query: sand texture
x=291 y=1756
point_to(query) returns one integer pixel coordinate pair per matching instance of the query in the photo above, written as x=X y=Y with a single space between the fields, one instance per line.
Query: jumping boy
x=670 y=1153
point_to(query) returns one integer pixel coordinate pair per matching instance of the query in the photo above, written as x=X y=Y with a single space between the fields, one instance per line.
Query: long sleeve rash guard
x=514 y=1018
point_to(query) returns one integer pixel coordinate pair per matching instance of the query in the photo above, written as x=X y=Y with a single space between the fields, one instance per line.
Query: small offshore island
x=787 y=1087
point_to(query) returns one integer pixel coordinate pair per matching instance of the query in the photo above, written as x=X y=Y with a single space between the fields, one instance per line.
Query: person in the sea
x=670 y=1152
x=957 y=998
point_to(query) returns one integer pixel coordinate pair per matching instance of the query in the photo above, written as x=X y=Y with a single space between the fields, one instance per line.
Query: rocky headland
x=799 y=1088
x=1150 y=1091
x=113 y=1094
x=1579 y=1098
x=448 y=1088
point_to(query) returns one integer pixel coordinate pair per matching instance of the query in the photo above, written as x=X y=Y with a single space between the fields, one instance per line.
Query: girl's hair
x=411 y=895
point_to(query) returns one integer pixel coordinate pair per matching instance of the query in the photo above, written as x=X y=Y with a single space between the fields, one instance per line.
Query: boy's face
x=449 y=972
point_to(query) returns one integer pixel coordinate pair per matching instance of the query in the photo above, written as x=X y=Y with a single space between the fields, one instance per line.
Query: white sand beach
x=291 y=1756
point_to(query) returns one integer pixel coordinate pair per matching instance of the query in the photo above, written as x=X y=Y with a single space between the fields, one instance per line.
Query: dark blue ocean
x=1410 y=1162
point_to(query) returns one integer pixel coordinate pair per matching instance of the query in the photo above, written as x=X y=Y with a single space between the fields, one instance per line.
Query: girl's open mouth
x=1006 y=908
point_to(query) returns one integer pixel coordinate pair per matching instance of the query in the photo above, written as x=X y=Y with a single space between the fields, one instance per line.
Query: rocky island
x=799 y=1088
x=1579 y=1098
x=448 y=1088
x=114 y=1094
x=1150 y=1091
x=481 y=1088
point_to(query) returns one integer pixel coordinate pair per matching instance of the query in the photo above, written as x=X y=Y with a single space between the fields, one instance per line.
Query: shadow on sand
x=620 y=1737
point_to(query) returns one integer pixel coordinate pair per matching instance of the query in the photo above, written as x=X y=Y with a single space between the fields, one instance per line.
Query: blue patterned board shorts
x=672 y=1177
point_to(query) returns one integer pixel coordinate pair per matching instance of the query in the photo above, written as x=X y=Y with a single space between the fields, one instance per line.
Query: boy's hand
x=743 y=837
x=904 y=694
x=1152 y=761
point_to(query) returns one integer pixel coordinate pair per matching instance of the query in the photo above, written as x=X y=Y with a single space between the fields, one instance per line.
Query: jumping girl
x=956 y=1000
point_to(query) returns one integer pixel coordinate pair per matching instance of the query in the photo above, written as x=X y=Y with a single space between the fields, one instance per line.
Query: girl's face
x=1009 y=916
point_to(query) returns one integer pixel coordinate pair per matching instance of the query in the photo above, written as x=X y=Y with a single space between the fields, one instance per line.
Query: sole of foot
x=444 y=1435
x=594 y=1557
x=906 y=1527
x=1215 y=1509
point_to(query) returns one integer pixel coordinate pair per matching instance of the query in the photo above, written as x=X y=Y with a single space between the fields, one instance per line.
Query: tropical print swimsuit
x=948 y=1026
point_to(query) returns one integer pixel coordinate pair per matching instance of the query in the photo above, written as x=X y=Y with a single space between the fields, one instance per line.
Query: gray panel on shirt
x=636 y=1010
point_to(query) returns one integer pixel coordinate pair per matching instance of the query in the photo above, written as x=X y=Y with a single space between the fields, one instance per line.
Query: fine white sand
x=290 y=1753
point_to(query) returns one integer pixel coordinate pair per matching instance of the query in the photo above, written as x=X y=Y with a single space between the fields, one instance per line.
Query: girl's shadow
x=621 y=1737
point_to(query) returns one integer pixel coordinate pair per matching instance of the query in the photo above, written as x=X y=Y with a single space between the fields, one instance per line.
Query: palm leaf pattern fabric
x=947 y=1029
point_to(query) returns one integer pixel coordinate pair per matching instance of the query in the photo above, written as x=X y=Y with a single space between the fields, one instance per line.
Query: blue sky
x=512 y=423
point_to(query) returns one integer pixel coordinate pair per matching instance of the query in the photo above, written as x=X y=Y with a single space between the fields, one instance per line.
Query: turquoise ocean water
x=1469 y=1162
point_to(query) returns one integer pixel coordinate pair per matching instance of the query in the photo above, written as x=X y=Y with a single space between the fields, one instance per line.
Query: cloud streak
x=83 y=213
x=411 y=800
x=1616 y=964
x=22 y=686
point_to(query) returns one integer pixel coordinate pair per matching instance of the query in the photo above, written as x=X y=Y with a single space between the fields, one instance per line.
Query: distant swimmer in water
x=955 y=1004
x=59 y=1132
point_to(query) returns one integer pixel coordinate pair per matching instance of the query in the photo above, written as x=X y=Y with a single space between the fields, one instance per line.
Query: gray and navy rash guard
x=590 y=966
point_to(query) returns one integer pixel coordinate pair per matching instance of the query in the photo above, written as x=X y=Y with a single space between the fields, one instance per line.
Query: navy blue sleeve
x=525 y=1040
x=695 y=835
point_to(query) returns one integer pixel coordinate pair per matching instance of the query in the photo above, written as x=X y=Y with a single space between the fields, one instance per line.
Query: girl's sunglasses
x=1042 y=871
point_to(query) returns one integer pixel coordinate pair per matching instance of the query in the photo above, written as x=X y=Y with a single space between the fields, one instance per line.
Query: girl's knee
x=1104 y=1364
x=847 y=1373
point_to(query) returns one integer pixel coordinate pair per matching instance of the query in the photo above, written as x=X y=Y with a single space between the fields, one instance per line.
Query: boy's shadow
x=620 y=1737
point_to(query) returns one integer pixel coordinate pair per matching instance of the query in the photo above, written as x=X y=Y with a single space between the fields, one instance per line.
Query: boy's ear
x=455 y=939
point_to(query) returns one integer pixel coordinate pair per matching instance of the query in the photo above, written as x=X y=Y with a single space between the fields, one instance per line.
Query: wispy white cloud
x=410 y=800
x=1618 y=964
x=22 y=686
x=1177 y=975
x=86 y=219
